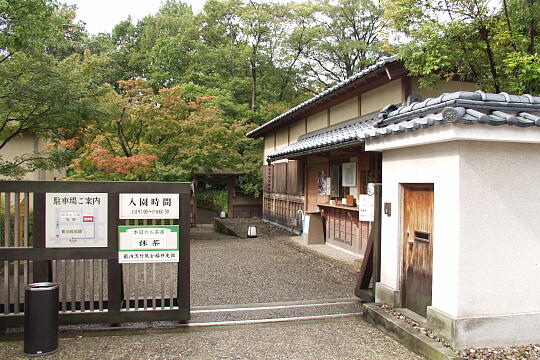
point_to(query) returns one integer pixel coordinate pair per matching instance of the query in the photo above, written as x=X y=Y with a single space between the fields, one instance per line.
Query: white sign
x=149 y=206
x=148 y=244
x=76 y=220
x=366 y=207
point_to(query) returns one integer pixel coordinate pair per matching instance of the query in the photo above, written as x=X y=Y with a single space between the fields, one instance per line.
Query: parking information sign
x=148 y=244
x=149 y=206
x=76 y=220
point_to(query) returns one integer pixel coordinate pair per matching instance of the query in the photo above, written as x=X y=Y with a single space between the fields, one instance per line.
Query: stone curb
x=410 y=338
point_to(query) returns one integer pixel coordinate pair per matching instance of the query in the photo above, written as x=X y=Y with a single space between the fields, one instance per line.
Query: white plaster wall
x=296 y=130
x=269 y=142
x=344 y=111
x=437 y=164
x=378 y=98
x=26 y=144
x=282 y=137
x=500 y=232
x=317 y=121
x=23 y=144
x=441 y=87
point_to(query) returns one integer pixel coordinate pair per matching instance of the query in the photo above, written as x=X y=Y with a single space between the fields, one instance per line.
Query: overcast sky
x=102 y=15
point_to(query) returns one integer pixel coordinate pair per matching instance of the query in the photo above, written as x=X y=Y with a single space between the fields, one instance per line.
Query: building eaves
x=381 y=63
x=334 y=137
x=470 y=108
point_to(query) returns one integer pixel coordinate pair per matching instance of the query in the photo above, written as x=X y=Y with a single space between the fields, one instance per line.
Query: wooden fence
x=94 y=286
x=283 y=193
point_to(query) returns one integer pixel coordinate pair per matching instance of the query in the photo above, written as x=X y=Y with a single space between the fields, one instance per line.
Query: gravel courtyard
x=230 y=270
x=226 y=271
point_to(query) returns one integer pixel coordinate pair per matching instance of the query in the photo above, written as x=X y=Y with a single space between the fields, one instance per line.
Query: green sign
x=148 y=244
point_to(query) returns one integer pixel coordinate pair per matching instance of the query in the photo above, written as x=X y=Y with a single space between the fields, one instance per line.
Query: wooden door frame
x=401 y=195
x=305 y=186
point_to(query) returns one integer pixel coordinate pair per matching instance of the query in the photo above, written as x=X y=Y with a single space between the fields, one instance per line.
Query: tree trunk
x=484 y=34
x=530 y=26
x=253 y=85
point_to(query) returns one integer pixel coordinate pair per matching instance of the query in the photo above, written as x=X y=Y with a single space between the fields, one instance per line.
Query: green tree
x=349 y=39
x=494 y=46
x=40 y=94
x=164 y=136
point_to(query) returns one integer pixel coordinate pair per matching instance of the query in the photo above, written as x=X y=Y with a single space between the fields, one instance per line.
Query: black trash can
x=41 y=318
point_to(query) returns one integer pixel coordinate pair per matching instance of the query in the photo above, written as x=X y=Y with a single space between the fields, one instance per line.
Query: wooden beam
x=371 y=264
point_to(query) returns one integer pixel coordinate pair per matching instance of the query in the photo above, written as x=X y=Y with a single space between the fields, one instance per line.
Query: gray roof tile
x=460 y=107
x=381 y=63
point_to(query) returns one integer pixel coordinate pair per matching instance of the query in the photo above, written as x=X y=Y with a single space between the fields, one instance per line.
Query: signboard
x=149 y=206
x=148 y=244
x=75 y=220
x=366 y=204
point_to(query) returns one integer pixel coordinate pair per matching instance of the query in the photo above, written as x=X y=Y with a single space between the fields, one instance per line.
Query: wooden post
x=42 y=271
x=114 y=280
x=194 y=199
x=184 y=276
x=230 y=195
x=377 y=240
x=370 y=269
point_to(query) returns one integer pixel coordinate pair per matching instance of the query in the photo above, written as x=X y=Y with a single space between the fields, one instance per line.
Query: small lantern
x=222 y=215
x=252 y=231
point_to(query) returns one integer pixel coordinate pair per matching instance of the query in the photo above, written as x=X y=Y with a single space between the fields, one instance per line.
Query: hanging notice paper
x=76 y=220
x=148 y=244
x=366 y=207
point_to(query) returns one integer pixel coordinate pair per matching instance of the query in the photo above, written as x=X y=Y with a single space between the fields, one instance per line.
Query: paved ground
x=228 y=270
x=337 y=339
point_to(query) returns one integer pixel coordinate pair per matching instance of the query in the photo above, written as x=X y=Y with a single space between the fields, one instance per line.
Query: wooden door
x=417 y=247
x=312 y=178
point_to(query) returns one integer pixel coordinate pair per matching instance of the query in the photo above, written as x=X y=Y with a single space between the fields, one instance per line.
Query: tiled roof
x=381 y=63
x=333 y=137
x=460 y=107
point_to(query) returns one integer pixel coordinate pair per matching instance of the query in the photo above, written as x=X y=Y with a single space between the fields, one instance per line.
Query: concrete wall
x=344 y=111
x=439 y=165
x=441 y=87
x=378 y=98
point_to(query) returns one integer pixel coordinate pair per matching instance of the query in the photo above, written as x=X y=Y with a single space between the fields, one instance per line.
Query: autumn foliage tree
x=157 y=136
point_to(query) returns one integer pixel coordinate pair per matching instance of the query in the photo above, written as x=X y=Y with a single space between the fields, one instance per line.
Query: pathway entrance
x=230 y=270
x=266 y=276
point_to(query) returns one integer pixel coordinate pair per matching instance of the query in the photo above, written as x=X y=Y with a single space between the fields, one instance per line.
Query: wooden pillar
x=114 y=268
x=184 y=274
x=194 y=201
x=42 y=270
x=230 y=195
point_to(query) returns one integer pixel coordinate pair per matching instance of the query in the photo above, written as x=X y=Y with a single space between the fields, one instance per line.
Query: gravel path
x=229 y=270
x=337 y=339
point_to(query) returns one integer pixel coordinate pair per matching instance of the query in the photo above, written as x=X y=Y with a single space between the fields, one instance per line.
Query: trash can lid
x=42 y=286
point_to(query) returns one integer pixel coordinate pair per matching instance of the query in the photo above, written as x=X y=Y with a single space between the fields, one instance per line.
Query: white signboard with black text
x=75 y=220
x=148 y=244
x=149 y=206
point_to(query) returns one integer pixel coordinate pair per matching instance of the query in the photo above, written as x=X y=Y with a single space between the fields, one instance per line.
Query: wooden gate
x=417 y=247
x=312 y=177
x=94 y=286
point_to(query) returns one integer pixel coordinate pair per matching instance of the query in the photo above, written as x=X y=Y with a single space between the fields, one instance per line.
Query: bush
x=213 y=199
x=12 y=230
